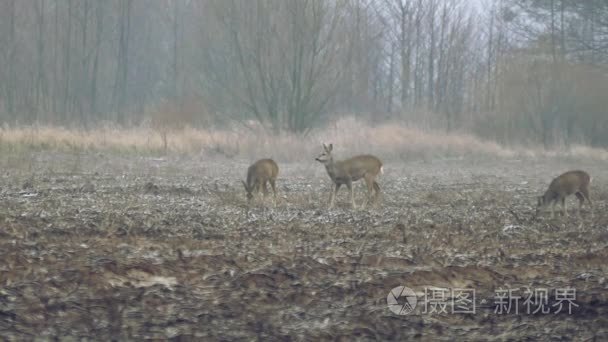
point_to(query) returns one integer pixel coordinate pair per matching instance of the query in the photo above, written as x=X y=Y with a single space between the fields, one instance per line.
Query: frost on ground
x=108 y=247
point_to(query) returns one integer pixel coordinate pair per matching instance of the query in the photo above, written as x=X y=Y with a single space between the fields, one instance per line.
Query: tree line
x=516 y=71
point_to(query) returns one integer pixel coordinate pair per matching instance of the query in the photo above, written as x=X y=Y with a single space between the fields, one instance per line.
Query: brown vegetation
x=389 y=140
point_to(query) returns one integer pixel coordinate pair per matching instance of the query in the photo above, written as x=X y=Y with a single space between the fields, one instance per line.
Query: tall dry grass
x=349 y=136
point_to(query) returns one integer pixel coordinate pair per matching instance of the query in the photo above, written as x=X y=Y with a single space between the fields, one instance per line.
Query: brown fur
x=572 y=182
x=258 y=175
x=351 y=170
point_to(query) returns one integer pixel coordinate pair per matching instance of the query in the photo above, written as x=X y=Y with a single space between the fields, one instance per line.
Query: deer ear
x=331 y=147
x=324 y=147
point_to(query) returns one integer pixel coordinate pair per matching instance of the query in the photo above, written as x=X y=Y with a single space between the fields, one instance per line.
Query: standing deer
x=258 y=174
x=351 y=170
x=572 y=182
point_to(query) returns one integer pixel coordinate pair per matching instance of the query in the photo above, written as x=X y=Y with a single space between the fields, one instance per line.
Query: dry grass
x=391 y=140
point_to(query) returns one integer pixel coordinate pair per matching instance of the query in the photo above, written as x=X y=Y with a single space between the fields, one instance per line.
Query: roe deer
x=350 y=170
x=572 y=182
x=258 y=174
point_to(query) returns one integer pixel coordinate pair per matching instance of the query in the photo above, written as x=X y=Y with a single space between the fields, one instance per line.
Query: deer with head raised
x=345 y=172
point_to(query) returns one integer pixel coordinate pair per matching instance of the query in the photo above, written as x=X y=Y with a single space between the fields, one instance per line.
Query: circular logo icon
x=401 y=300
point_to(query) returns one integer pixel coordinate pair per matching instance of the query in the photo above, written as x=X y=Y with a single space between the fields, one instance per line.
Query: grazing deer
x=571 y=182
x=349 y=171
x=258 y=174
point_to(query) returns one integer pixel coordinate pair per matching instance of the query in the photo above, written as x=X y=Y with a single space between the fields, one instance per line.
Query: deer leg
x=264 y=191
x=332 y=196
x=369 y=181
x=564 y=207
x=349 y=184
x=256 y=190
x=377 y=191
x=585 y=193
x=553 y=203
x=581 y=199
x=274 y=190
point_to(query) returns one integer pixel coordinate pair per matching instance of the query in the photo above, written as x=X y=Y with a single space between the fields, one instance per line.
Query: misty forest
x=514 y=71
x=344 y=170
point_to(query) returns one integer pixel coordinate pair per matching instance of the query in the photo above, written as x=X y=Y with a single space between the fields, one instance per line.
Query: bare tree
x=286 y=56
x=292 y=64
x=122 y=60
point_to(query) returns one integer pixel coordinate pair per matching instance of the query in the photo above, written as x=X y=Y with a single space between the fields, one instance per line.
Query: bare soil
x=102 y=247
